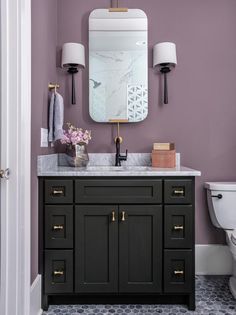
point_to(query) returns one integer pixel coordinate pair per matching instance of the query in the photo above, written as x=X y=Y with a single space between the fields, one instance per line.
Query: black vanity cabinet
x=117 y=240
x=118 y=248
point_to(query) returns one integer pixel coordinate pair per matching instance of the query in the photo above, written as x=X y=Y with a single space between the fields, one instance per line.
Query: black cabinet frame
x=164 y=293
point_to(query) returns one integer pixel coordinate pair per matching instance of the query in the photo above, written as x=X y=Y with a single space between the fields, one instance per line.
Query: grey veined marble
x=138 y=164
x=212 y=298
x=108 y=159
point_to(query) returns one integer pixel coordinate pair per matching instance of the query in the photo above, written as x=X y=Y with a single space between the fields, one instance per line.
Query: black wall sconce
x=73 y=59
x=164 y=56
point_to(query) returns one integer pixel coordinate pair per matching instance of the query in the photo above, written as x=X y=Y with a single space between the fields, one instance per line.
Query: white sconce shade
x=73 y=54
x=73 y=58
x=164 y=53
x=164 y=56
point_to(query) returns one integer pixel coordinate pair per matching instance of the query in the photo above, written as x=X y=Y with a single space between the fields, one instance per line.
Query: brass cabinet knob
x=113 y=216
x=58 y=272
x=178 y=272
x=178 y=227
x=58 y=227
x=123 y=216
x=179 y=192
x=57 y=192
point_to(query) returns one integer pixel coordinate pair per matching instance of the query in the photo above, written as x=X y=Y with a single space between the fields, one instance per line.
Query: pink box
x=163 y=158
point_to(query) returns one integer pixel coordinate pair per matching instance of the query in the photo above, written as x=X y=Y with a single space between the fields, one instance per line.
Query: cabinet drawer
x=58 y=191
x=118 y=191
x=178 y=226
x=178 y=271
x=58 y=226
x=58 y=275
x=178 y=191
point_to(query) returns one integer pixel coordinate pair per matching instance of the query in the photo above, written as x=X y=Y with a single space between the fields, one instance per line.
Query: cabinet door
x=140 y=248
x=58 y=191
x=58 y=222
x=96 y=249
x=179 y=273
x=178 y=226
x=58 y=274
x=179 y=191
x=99 y=191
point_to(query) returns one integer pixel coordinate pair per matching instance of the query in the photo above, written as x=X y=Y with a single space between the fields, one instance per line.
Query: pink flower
x=75 y=135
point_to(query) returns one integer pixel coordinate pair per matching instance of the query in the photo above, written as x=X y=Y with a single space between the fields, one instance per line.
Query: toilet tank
x=222 y=211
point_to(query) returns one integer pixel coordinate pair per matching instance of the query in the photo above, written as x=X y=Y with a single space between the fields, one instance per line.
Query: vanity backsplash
x=96 y=159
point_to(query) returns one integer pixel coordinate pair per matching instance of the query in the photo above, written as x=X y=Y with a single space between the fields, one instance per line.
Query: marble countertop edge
x=150 y=171
x=139 y=165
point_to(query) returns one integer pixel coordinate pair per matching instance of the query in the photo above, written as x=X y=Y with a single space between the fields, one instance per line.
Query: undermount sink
x=115 y=168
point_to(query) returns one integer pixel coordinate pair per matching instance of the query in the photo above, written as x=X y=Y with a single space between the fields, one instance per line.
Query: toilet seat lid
x=233 y=237
x=224 y=186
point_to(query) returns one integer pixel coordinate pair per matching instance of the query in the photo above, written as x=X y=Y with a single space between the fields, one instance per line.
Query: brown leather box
x=163 y=158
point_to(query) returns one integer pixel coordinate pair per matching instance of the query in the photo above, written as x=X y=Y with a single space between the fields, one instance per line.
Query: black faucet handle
x=124 y=157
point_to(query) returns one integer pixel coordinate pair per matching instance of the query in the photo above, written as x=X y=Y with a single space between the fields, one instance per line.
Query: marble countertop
x=48 y=166
x=119 y=171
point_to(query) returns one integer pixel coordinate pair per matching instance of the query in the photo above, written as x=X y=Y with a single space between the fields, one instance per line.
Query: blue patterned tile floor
x=212 y=298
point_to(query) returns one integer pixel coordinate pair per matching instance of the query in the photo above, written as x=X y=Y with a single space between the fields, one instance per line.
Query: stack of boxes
x=163 y=155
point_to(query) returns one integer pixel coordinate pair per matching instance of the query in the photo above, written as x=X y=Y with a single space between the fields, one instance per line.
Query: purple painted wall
x=200 y=116
x=44 y=41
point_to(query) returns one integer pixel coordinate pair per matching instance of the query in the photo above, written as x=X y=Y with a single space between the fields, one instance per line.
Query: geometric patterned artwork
x=137 y=102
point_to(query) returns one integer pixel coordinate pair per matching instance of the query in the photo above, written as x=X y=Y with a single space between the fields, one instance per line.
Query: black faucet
x=120 y=157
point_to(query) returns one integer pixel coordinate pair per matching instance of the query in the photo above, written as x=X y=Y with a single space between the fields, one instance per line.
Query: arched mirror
x=118 y=65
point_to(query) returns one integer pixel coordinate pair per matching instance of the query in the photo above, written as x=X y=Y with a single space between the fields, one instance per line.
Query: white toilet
x=221 y=198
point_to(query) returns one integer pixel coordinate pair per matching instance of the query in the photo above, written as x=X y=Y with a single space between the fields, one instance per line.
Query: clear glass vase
x=77 y=155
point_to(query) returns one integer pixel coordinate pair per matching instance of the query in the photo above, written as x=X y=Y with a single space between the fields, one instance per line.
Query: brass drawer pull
x=123 y=216
x=178 y=227
x=57 y=192
x=113 y=216
x=58 y=272
x=178 y=272
x=58 y=227
x=179 y=191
